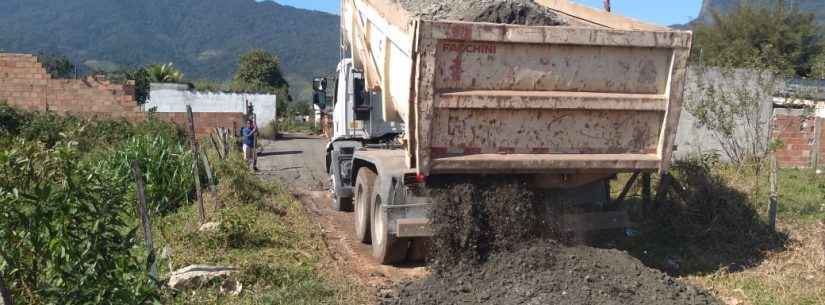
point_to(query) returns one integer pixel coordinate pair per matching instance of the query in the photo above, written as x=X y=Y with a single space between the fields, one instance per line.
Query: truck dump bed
x=602 y=94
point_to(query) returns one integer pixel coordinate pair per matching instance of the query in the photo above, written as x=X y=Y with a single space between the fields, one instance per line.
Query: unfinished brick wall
x=24 y=83
x=205 y=121
x=797 y=133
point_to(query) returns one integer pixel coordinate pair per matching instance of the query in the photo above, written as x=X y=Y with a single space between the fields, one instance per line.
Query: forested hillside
x=202 y=37
x=812 y=6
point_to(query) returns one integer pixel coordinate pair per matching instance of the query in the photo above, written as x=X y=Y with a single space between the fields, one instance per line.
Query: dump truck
x=566 y=107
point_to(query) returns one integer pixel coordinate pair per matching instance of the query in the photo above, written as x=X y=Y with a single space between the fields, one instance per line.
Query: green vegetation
x=280 y=256
x=715 y=233
x=66 y=221
x=58 y=66
x=816 y=7
x=69 y=229
x=777 y=37
x=166 y=73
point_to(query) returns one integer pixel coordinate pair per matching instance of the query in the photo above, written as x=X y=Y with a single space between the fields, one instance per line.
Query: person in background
x=249 y=151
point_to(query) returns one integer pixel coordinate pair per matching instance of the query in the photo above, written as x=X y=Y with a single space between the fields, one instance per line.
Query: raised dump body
x=599 y=95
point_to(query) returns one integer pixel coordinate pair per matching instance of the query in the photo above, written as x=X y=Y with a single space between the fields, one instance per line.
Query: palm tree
x=164 y=73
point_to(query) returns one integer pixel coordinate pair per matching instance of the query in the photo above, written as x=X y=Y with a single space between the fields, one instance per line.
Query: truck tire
x=386 y=248
x=340 y=204
x=364 y=193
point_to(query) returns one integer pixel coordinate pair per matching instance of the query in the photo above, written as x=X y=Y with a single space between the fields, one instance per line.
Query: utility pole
x=607 y=6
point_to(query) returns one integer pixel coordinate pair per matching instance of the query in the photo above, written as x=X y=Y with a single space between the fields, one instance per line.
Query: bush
x=63 y=237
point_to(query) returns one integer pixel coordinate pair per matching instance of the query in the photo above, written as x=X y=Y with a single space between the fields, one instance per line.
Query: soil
x=494 y=244
x=549 y=273
x=522 y=12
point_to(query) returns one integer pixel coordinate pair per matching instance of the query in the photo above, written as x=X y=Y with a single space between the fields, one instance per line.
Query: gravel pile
x=521 y=12
x=547 y=273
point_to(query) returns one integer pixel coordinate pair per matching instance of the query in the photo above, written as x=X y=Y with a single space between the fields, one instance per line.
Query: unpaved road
x=298 y=161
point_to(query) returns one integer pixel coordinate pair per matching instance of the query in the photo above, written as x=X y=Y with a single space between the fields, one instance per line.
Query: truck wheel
x=364 y=184
x=386 y=248
x=340 y=204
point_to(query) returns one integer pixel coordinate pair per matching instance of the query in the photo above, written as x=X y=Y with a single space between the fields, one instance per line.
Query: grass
x=282 y=259
x=718 y=237
x=298 y=127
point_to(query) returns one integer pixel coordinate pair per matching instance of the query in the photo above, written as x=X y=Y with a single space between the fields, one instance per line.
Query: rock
x=231 y=287
x=210 y=227
x=196 y=275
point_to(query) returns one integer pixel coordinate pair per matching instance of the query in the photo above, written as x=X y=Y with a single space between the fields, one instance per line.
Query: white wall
x=175 y=97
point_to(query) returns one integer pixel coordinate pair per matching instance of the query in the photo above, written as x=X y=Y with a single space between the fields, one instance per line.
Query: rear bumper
x=409 y=220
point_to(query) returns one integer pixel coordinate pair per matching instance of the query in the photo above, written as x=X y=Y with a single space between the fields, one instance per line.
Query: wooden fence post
x=626 y=188
x=195 y=171
x=212 y=187
x=144 y=217
x=218 y=151
x=774 y=196
x=815 y=154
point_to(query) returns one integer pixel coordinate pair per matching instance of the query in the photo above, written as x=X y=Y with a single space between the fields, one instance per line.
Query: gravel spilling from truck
x=494 y=244
x=522 y=12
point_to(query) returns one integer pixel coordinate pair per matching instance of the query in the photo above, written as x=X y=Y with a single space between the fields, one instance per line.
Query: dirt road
x=298 y=161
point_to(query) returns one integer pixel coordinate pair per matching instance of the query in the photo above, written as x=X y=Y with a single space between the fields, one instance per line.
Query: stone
x=209 y=227
x=196 y=275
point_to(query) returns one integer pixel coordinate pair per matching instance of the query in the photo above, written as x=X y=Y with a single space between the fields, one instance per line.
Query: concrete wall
x=691 y=139
x=173 y=98
x=25 y=84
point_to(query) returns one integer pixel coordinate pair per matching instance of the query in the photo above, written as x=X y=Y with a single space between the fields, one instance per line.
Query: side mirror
x=361 y=101
x=319 y=84
x=319 y=95
x=320 y=100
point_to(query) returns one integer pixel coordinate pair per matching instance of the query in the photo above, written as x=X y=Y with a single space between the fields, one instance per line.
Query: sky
x=661 y=12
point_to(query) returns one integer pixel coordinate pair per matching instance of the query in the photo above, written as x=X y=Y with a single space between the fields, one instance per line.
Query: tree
x=164 y=73
x=299 y=108
x=778 y=36
x=259 y=71
x=141 y=78
x=58 y=66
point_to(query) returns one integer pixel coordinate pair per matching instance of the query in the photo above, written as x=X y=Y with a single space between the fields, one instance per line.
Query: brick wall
x=205 y=121
x=797 y=133
x=24 y=83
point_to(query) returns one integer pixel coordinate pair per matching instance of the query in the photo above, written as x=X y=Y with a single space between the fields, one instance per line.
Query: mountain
x=202 y=37
x=708 y=6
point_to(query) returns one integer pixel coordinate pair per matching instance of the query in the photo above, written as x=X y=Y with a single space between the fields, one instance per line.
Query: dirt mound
x=495 y=242
x=523 y=12
x=547 y=273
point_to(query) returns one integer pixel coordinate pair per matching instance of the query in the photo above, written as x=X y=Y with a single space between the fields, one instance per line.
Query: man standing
x=249 y=150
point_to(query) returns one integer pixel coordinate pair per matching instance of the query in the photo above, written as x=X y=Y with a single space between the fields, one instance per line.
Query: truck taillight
x=414 y=178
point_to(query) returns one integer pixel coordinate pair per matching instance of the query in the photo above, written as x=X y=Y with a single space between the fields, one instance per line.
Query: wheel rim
x=378 y=224
x=359 y=207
